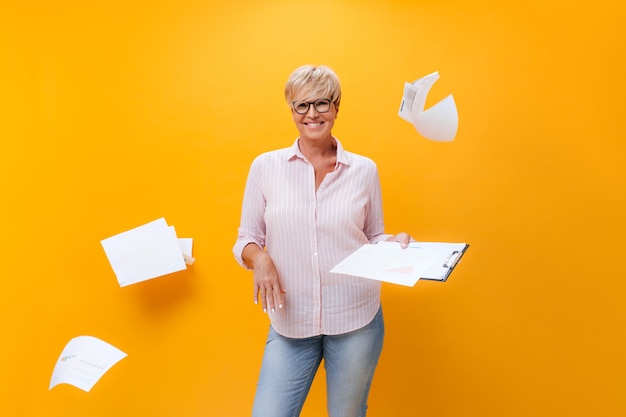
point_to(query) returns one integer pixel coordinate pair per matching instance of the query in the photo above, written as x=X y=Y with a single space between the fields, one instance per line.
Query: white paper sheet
x=440 y=122
x=145 y=252
x=447 y=255
x=388 y=262
x=186 y=245
x=83 y=361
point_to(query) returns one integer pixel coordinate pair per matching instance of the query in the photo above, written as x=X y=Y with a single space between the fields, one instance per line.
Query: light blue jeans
x=289 y=366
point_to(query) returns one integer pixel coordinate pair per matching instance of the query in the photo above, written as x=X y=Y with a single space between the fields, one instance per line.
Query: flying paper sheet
x=146 y=252
x=440 y=122
x=83 y=361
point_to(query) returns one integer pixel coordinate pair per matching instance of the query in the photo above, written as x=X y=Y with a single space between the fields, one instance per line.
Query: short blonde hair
x=319 y=81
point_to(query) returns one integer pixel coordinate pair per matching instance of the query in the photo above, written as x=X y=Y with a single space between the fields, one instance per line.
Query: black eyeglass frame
x=314 y=103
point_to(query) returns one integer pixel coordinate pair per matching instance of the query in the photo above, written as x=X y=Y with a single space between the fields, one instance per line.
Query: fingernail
x=273 y=310
x=280 y=306
x=265 y=310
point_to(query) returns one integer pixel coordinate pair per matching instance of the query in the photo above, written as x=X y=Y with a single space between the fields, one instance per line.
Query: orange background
x=116 y=113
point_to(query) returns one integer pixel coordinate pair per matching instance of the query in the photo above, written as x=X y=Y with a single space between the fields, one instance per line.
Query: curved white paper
x=440 y=122
x=422 y=88
x=83 y=361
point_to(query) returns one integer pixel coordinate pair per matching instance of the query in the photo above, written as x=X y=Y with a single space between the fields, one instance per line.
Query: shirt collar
x=342 y=155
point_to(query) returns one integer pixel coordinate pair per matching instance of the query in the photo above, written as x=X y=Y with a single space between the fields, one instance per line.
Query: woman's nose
x=312 y=112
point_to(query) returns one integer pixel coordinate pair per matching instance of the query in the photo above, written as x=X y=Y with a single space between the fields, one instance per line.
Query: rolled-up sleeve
x=374 y=222
x=252 y=224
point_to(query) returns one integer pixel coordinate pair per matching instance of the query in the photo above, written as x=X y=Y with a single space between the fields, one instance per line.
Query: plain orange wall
x=116 y=113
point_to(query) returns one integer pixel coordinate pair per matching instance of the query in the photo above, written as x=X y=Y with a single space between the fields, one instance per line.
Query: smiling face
x=305 y=87
x=313 y=125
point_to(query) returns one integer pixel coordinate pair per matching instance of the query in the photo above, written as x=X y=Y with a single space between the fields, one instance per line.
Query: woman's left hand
x=402 y=238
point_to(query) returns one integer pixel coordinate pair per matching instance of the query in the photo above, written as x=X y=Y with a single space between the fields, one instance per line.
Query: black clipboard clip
x=453 y=259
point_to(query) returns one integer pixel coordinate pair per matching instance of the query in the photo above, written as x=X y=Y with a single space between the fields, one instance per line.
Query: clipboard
x=388 y=262
x=447 y=255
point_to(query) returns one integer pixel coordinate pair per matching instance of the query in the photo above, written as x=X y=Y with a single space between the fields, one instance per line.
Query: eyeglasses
x=321 y=106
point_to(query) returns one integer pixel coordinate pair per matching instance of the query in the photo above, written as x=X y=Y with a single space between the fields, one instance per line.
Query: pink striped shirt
x=306 y=233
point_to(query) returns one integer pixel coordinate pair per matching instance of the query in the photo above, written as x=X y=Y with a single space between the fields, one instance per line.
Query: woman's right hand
x=267 y=288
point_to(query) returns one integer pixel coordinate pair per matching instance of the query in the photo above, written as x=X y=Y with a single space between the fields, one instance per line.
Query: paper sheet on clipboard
x=388 y=262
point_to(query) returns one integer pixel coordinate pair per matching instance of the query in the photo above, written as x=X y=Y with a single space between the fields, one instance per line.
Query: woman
x=305 y=209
